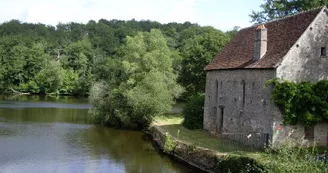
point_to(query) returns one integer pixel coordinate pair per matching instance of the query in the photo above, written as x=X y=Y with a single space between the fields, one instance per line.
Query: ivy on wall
x=304 y=103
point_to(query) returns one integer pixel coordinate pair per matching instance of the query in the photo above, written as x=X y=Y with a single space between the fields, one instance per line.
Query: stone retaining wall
x=201 y=158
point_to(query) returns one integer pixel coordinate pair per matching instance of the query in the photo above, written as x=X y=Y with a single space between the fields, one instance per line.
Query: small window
x=216 y=92
x=244 y=92
x=309 y=132
x=323 y=51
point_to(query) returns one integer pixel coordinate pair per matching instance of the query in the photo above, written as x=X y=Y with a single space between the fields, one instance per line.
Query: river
x=56 y=135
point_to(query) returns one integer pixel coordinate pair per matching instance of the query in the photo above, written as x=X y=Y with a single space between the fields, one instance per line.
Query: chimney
x=260 y=43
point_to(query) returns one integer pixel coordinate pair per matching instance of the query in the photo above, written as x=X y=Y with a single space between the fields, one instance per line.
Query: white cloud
x=204 y=12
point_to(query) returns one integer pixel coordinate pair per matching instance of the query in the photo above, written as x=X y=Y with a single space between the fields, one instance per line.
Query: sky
x=221 y=14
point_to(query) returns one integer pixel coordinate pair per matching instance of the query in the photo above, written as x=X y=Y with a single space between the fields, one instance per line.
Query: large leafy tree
x=197 y=53
x=102 y=36
x=147 y=86
x=49 y=78
x=275 y=9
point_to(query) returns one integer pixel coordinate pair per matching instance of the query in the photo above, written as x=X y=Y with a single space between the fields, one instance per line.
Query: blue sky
x=222 y=14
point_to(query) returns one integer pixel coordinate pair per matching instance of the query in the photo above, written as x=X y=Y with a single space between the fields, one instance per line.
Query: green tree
x=2 y=72
x=70 y=82
x=197 y=53
x=273 y=9
x=92 y=51
x=105 y=68
x=14 y=62
x=193 y=112
x=49 y=79
x=34 y=58
x=147 y=86
x=103 y=36
x=77 y=55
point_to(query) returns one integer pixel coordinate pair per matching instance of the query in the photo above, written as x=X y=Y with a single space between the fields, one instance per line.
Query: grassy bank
x=238 y=158
x=201 y=138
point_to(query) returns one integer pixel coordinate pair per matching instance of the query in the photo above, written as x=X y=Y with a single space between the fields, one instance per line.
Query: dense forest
x=69 y=58
x=131 y=70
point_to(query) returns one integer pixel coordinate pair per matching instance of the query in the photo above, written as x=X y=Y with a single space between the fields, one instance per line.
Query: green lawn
x=173 y=125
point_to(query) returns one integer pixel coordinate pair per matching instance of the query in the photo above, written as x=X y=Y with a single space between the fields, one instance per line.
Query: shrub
x=289 y=158
x=193 y=112
x=238 y=164
x=169 y=143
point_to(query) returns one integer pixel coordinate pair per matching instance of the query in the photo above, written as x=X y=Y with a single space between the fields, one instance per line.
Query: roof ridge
x=285 y=17
x=239 y=52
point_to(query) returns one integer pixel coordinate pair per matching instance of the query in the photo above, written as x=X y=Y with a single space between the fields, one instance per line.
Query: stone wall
x=304 y=61
x=296 y=134
x=205 y=159
x=236 y=101
x=201 y=158
x=321 y=134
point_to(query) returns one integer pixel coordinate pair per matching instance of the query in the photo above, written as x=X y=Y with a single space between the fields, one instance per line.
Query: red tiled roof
x=282 y=35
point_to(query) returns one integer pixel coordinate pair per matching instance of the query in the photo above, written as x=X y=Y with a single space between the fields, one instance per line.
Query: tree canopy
x=71 y=57
x=275 y=9
x=198 y=52
x=147 y=85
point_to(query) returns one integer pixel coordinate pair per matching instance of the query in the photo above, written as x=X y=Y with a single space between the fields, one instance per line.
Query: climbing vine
x=304 y=103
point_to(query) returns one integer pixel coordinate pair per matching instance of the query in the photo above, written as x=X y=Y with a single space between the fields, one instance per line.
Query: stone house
x=237 y=102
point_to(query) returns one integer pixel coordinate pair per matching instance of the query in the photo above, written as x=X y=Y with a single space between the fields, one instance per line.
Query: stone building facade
x=236 y=99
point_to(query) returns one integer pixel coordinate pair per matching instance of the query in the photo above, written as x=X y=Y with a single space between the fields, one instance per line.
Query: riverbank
x=211 y=154
x=200 y=149
x=202 y=159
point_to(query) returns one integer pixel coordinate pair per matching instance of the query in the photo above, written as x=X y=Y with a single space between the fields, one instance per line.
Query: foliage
x=193 y=112
x=49 y=77
x=236 y=163
x=92 y=52
x=303 y=103
x=70 y=82
x=147 y=85
x=169 y=143
x=273 y=9
x=30 y=86
x=286 y=158
x=198 y=52
x=191 y=148
x=102 y=109
x=289 y=158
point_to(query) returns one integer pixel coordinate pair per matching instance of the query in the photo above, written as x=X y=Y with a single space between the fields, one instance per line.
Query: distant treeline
x=69 y=58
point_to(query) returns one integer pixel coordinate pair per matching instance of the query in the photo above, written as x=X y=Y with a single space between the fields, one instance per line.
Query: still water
x=51 y=135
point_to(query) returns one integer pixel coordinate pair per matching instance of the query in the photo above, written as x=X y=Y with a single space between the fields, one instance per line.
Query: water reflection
x=62 y=139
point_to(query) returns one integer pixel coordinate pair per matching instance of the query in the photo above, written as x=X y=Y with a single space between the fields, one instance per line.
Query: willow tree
x=147 y=85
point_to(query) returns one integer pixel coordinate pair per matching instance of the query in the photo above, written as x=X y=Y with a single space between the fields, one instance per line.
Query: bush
x=289 y=158
x=193 y=112
x=239 y=164
x=169 y=143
